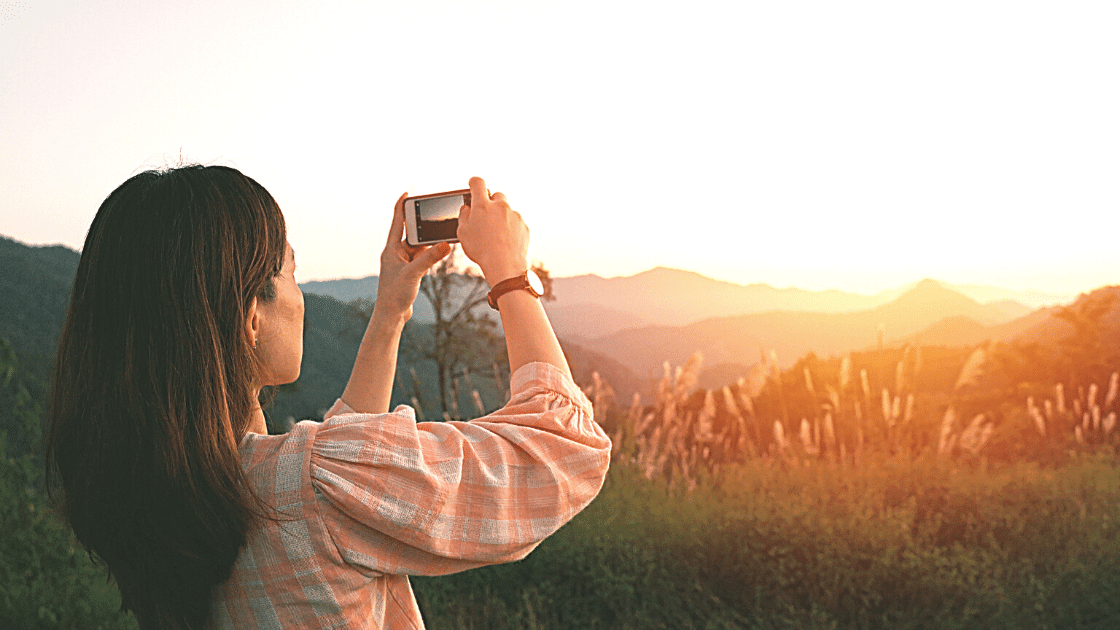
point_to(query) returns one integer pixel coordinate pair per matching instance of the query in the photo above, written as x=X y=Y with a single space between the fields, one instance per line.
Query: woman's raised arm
x=402 y=267
x=496 y=238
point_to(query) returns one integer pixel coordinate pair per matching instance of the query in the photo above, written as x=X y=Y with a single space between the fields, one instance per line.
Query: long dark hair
x=154 y=384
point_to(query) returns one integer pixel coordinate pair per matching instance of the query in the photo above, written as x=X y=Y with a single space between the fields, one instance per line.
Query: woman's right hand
x=402 y=268
x=493 y=235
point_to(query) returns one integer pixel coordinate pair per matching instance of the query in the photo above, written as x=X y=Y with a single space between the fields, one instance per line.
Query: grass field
x=896 y=543
x=805 y=500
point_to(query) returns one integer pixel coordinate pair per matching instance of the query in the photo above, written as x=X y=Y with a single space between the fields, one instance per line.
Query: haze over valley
x=628 y=327
x=625 y=328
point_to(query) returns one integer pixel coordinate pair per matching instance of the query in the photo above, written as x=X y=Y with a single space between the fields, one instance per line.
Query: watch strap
x=505 y=286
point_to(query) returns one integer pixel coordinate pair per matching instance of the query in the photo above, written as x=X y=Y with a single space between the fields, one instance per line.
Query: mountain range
x=590 y=306
x=732 y=344
x=625 y=328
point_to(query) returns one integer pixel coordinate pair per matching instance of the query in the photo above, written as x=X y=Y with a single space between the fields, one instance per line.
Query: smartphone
x=434 y=218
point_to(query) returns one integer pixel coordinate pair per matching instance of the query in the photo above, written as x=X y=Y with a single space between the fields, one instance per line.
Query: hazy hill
x=675 y=297
x=1043 y=326
x=35 y=286
x=959 y=331
x=1089 y=326
x=349 y=289
x=34 y=294
x=737 y=341
x=343 y=290
x=581 y=322
x=591 y=306
x=624 y=345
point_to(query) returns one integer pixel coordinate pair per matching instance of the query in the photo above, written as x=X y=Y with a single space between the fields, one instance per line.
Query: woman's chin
x=286 y=377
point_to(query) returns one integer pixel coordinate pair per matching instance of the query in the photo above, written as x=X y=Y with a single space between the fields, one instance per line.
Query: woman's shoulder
x=256 y=448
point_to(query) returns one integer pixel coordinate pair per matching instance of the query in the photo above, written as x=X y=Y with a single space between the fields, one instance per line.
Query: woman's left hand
x=402 y=268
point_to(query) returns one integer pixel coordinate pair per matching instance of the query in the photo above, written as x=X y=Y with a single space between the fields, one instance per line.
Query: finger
x=430 y=256
x=397 y=228
x=478 y=189
x=498 y=197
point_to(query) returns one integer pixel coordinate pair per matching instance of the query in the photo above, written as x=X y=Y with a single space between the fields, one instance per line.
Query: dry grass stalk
x=755 y=379
x=976 y=434
x=499 y=385
x=477 y=398
x=809 y=384
x=419 y=409
x=973 y=369
x=744 y=397
x=688 y=432
x=807 y=441
x=834 y=398
x=780 y=436
x=945 y=442
x=685 y=432
x=845 y=372
x=417 y=400
x=1039 y=421
x=601 y=395
x=455 y=398
x=829 y=432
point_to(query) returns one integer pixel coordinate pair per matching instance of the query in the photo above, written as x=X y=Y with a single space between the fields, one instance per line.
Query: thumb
x=429 y=257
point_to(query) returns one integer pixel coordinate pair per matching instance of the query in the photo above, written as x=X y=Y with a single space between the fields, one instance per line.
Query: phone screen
x=437 y=218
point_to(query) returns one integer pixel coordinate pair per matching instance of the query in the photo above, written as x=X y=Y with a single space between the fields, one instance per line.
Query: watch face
x=535 y=282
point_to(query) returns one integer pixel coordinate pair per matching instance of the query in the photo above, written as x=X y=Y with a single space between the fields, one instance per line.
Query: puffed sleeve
x=432 y=498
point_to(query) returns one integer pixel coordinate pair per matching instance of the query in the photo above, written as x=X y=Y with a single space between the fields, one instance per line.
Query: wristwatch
x=528 y=281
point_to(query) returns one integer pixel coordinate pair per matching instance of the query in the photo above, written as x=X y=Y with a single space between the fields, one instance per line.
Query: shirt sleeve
x=433 y=498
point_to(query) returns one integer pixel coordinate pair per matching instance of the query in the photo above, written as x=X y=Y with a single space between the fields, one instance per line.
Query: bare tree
x=465 y=335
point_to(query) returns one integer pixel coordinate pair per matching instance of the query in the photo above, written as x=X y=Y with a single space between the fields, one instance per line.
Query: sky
x=851 y=145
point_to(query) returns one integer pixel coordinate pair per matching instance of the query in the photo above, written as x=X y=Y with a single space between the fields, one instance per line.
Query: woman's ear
x=252 y=323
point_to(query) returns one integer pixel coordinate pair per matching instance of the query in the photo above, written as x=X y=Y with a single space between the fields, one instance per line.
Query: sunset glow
x=859 y=146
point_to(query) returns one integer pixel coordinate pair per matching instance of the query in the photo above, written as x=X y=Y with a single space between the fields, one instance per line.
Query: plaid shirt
x=369 y=499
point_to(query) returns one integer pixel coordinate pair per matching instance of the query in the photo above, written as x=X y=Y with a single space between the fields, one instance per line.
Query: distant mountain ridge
x=35 y=284
x=627 y=327
x=591 y=306
x=738 y=339
x=624 y=340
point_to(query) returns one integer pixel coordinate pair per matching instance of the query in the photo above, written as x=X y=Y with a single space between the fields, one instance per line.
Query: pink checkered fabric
x=373 y=498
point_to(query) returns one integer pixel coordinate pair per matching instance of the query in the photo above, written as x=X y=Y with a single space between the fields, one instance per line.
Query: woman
x=184 y=306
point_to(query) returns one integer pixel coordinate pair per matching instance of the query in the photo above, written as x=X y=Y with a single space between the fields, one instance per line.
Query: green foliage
x=894 y=544
x=46 y=579
x=34 y=293
x=20 y=411
x=622 y=563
